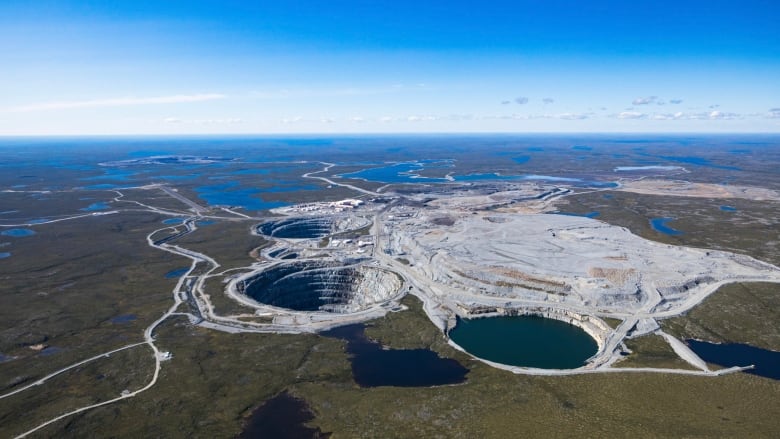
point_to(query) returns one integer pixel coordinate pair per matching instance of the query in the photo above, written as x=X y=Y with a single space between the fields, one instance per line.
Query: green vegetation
x=228 y=242
x=736 y=313
x=652 y=351
x=612 y=323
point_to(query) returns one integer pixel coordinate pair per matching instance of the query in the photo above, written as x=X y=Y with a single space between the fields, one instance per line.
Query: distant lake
x=593 y=214
x=17 y=233
x=96 y=206
x=230 y=195
x=396 y=173
x=659 y=225
x=728 y=208
x=4 y=255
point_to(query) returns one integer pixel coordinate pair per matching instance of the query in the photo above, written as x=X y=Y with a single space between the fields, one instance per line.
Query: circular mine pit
x=297 y=228
x=525 y=341
x=310 y=227
x=322 y=286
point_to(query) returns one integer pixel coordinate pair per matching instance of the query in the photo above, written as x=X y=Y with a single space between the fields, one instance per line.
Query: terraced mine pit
x=310 y=227
x=322 y=286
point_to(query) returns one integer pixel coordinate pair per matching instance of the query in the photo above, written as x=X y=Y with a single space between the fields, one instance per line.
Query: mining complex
x=472 y=251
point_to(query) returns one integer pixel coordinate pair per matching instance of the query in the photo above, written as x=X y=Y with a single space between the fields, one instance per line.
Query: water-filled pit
x=525 y=341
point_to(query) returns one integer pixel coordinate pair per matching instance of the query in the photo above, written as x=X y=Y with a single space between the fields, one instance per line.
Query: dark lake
x=282 y=417
x=526 y=341
x=734 y=354
x=373 y=366
x=125 y=318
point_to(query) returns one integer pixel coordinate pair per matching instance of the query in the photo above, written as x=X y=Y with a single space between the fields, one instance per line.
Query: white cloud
x=416 y=118
x=644 y=101
x=522 y=100
x=548 y=101
x=720 y=115
x=117 y=102
x=572 y=116
x=227 y=121
x=774 y=113
x=675 y=101
x=631 y=115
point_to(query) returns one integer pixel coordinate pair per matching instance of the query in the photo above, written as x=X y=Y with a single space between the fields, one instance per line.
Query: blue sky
x=192 y=67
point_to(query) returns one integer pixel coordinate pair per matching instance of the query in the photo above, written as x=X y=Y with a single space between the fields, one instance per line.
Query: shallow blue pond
x=101 y=205
x=659 y=225
x=178 y=272
x=17 y=233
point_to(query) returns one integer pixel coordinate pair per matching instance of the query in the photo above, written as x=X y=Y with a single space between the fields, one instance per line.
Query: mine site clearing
x=483 y=253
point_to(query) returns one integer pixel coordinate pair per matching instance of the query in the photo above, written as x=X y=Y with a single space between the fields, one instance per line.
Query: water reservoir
x=525 y=341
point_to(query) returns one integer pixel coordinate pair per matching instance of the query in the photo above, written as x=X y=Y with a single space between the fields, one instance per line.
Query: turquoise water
x=659 y=225
x=173 y=221
x=526 y=341
x=17 y=233
x=728 y=208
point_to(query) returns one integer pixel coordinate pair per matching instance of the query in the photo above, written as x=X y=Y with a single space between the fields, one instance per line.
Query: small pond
x=659 y=225
x=17 y=233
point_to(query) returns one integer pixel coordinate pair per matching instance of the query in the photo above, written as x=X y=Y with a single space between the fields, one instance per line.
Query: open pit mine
x=478 y=252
